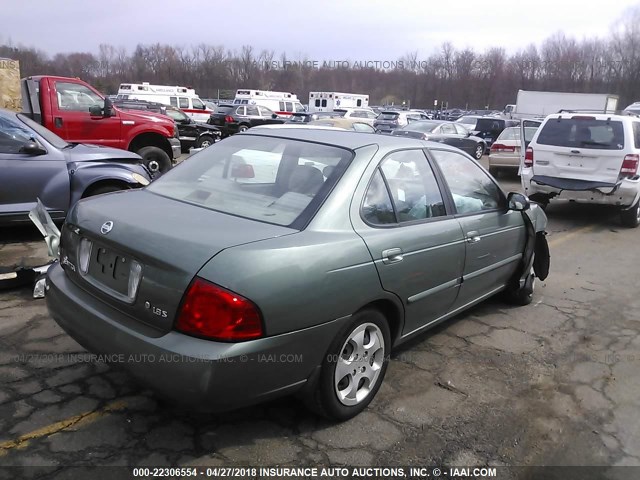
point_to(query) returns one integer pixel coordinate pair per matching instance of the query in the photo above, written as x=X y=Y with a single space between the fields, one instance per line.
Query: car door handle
x=392 y=255
x=473 y=237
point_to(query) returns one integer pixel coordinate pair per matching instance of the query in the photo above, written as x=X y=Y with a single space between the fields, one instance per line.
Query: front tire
x=631 y=218
x=479 y=151
x=354 y=367
x=523 y=295
x=155 y=159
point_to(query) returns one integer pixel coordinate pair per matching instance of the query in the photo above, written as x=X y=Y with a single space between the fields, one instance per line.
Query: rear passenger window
x=410 y=182
x=324 y=102
x=317 y=102
x=377 y=208
x=173 y=101
x=184 y=102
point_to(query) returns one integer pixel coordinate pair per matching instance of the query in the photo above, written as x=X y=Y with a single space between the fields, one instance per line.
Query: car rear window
x=636 y=134
x=388 y=116
x=225 y=109
x=583 y=133
x=272 y=180
x=488 y=124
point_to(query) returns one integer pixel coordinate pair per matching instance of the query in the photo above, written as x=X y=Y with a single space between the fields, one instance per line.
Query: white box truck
x=530 y=104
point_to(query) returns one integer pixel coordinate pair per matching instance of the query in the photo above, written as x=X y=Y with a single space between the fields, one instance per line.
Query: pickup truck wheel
x=631 y=218
x=155 y=159
x=205 y=141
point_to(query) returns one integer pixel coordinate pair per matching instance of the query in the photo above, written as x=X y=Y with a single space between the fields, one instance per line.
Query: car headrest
x=306 y=179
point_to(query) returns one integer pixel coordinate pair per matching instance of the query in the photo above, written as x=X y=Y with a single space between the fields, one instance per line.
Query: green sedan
x=290 y=261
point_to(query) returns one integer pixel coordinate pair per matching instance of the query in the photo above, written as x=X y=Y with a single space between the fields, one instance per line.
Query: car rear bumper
x=504 y=161
x=206 y=375
x=624 y=194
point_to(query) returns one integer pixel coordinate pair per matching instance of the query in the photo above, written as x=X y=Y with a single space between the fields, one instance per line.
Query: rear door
x=580 y=147
x=417 y=246
x=528 y=129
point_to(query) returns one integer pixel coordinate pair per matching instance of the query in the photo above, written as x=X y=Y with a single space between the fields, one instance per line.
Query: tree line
x=460 y=78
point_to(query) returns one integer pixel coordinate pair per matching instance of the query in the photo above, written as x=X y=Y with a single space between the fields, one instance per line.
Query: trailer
x=329 y=101
x=532 y=104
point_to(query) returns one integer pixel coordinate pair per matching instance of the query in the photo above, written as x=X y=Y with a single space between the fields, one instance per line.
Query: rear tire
x=359 y=356
x=205 y=141
x=243 y=128
x=631 y=218
x=479 y=151
x=155 y=159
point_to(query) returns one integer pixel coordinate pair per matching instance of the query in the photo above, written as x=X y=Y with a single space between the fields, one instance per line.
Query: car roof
x=341 y=138
x=596 y=116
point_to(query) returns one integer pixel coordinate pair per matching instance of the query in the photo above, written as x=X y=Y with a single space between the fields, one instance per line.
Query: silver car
x=290 y=261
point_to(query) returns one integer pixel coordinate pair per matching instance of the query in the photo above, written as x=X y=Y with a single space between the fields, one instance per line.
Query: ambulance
x=184 y=98
x=329 y=101
x=281 y=103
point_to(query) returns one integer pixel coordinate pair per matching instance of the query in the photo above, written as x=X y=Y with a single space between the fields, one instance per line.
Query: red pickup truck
x=75 y=111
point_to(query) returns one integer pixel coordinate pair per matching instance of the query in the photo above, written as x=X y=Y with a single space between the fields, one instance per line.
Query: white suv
x=587 y=158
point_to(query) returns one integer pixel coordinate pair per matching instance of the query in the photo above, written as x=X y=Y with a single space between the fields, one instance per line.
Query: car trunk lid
x=169 y=239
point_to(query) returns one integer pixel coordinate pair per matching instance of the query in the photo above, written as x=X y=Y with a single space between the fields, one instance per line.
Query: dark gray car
x=451 y=133
x=36 y=163
x=290 y=260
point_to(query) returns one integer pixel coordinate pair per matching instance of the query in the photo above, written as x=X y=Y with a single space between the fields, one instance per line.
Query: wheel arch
x=150 y=139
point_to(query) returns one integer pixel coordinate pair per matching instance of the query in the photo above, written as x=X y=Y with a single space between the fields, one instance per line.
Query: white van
x=282 y=103
x=328 y=101
x=183 y=98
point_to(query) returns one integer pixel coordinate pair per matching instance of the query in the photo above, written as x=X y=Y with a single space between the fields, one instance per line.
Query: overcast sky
x=373 y=30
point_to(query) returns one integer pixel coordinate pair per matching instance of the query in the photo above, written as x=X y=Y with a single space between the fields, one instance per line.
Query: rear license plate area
x=110 y=268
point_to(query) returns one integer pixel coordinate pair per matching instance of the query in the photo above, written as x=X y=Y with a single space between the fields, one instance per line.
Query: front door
x=494 y=236
x=73 y=122
x=417 y=246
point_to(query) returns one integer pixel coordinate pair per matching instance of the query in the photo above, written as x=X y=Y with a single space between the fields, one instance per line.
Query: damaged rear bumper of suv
x=625 y=193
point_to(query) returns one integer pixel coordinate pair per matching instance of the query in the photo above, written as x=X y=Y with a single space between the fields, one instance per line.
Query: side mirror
x=32 y=148
x=95 y=111
x=468 y=134
x=518 y=202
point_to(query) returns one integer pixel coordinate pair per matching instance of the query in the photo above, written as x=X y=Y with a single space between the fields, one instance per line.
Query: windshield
x=424 y=127
x=48 y=135
x=177 y=115
x=271 y=180
x=582 y=133
x=225 y=109
x=388 y=116
x=298 y=118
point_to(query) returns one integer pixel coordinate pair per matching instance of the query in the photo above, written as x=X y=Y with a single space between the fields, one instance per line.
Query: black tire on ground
x=522 y=296
x=91 y=192
x=204 y=141
x=243 y=128
x=368 y=360
x=479 y=151
x=155 y=159
x=631 y=218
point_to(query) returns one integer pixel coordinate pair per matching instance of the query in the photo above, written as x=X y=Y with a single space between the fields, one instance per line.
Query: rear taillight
x=630 y=165
x=213 y=312
x=499 y=147
x=228 y=119
x=528 y=157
